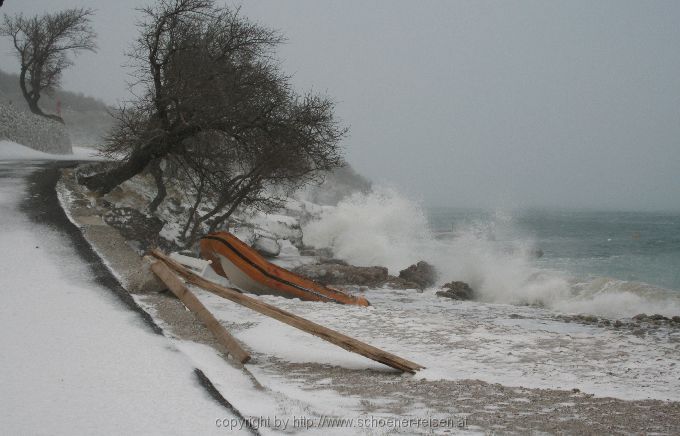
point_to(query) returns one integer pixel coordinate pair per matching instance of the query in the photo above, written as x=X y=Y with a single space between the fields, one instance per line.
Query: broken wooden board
x=332 y=336
x=193 y=304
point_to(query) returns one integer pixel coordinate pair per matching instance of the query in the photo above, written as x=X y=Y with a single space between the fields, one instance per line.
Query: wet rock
x=334 y=274
x=332 y=261
x=588 y=319
x=394 y=282
x=351 y=289
x=332 y=271
x=640 y=317
x=657 y=317
x=422 y=274
x=537 y=253
x=457 y=291
x=618 y=323
x=676 y=319
x=267 y=247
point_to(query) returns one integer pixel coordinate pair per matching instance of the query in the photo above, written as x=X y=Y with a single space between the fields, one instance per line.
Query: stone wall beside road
x=33 y=131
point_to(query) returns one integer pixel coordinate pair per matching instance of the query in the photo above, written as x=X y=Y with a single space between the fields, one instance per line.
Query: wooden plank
x=193 y=304
x=332 y=336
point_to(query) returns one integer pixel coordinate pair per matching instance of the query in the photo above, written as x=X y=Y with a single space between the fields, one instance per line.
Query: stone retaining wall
x=33 y=131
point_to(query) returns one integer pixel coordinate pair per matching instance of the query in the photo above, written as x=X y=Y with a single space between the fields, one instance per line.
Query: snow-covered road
x=74 y=359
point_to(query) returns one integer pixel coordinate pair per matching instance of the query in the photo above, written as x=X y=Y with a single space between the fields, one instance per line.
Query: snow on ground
x=11 y=151
x=510 y=345
x=74 y=359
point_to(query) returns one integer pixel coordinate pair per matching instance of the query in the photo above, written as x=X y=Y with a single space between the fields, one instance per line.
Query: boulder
x=268 y=247
x=457 y=291
x=399 y=283
x=338 y=274
x=275 y=226
x=422 y=274
x=587 y=319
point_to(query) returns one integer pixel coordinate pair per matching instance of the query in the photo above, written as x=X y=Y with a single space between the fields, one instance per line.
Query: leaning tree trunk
x=157 y=148
x=104 y=182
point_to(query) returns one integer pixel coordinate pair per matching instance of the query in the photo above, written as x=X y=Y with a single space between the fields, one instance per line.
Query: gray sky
x=470 y=103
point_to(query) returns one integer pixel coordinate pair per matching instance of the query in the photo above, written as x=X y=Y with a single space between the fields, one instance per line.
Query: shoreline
x=490 y=406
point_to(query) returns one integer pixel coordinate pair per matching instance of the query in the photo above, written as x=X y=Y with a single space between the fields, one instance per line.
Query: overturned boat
x=249 y=271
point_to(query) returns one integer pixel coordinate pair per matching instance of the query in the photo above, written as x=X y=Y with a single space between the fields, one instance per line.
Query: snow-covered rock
x=244 y=233
x=267 y=247
x=276 y=226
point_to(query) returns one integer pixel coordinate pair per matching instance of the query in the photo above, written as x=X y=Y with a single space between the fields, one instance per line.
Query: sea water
x=631 y=246
x=614 y=264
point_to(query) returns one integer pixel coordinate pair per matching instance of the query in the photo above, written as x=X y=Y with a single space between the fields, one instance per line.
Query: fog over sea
x=612 y=264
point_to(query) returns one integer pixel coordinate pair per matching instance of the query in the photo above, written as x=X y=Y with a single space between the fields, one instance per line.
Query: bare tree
x=43 y=44
x=215 y=106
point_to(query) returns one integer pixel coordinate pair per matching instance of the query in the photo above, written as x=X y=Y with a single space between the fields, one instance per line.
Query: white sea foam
x=385 y=228
x=378 y=228
x=618 y=298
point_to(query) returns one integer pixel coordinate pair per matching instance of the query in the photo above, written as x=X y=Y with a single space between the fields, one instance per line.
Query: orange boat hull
x=248 y=270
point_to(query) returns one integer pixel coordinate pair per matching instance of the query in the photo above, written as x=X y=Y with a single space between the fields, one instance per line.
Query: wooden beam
x=337 y=338
x=193 y=304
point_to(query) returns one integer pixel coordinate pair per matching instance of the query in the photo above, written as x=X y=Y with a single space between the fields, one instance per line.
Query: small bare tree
x=215 y=107
x=43 y=44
